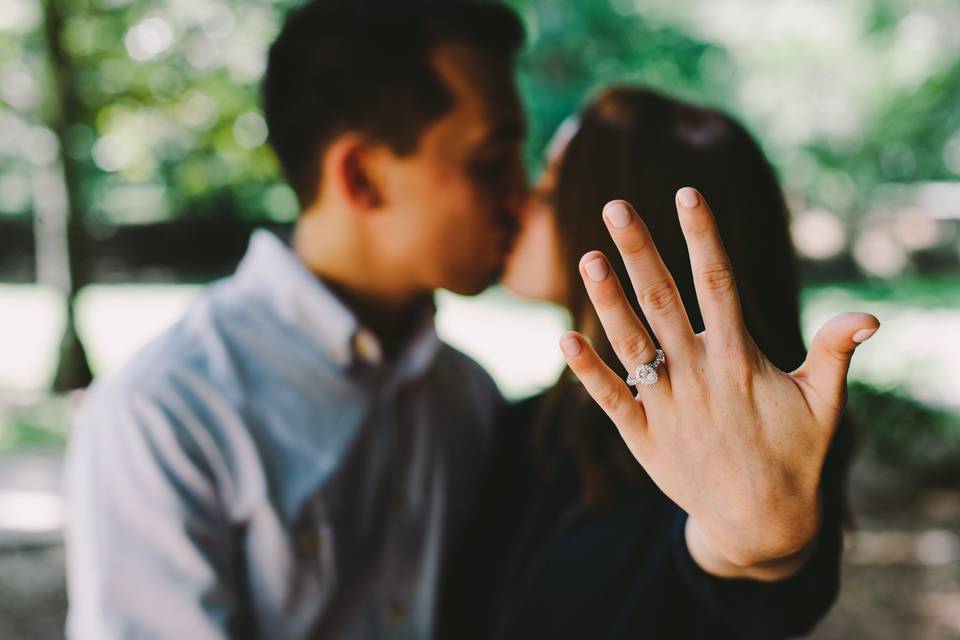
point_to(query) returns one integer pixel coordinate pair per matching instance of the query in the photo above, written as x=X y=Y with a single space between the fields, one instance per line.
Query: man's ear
x=351 y=169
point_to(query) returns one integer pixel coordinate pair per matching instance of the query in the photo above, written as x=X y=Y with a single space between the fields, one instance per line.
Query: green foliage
x=906 y=433
x=41 y=423
x=578 y=47
x=167 y=106
x=845 y=96
x=913 y=137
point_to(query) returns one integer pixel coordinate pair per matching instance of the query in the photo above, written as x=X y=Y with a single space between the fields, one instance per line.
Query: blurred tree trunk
x=58 y=207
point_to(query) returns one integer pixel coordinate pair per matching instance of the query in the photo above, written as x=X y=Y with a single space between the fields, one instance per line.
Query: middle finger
x=656 y=291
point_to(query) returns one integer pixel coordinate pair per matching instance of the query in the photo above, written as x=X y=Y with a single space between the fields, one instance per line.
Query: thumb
x=825 y=369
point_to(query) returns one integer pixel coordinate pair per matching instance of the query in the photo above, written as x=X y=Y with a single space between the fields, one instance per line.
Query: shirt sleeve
x=758 y=610
x=787 y=608
x=149 y=551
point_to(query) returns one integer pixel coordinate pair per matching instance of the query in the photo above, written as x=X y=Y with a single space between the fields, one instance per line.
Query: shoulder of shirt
x=475 y=377
x=189 y=357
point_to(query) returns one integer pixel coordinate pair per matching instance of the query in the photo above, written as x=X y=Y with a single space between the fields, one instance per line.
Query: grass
x=36 y=422
x=941 y=292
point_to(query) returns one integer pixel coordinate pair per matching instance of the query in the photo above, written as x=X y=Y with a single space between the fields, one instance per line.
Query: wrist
x=709 y=558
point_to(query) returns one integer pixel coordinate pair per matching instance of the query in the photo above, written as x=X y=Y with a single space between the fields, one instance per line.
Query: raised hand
x=733 y=440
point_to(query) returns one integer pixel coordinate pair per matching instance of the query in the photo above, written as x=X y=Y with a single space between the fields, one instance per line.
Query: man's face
x=454 y=203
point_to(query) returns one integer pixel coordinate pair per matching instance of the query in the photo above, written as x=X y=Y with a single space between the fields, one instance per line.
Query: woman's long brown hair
x=639 y=145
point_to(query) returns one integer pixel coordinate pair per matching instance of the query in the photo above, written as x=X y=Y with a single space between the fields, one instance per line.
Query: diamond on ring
x=646 y=374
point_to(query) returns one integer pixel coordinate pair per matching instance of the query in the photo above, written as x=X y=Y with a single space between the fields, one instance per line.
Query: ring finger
x=627 y=335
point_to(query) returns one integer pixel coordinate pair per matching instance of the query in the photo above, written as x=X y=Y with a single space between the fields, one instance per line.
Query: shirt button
x=398 y=611
x=368 y=347
x=311 y=543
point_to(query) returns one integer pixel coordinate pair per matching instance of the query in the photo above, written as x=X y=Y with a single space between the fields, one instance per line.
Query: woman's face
x=533 y=269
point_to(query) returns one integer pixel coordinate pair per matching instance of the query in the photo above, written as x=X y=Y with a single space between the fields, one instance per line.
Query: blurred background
x=133 y=168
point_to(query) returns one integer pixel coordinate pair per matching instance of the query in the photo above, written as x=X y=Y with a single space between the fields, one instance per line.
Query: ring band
x=646 y=374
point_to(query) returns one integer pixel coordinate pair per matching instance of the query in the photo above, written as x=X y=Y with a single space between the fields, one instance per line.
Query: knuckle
x=840 y=357
x=636 y=243
x=634 y=344
x=607 y=397
x=699 y=222
x=717 y=276
x=659 y=296
x=607 y=295
x=583 y=368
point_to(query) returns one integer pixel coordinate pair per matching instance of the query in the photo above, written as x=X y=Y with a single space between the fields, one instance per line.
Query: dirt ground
x=901 y=573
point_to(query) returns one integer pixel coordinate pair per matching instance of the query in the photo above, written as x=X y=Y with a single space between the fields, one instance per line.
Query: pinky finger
x=603 y=385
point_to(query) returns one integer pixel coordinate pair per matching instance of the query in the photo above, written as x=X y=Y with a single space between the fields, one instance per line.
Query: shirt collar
x=301 y=299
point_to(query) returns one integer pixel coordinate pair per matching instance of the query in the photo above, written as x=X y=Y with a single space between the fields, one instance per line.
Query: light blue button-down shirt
x=260 y=470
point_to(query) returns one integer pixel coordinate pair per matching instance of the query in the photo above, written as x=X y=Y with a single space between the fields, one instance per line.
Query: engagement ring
x=646 y=374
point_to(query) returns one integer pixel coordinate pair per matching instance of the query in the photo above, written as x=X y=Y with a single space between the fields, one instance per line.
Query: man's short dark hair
x=364 y=66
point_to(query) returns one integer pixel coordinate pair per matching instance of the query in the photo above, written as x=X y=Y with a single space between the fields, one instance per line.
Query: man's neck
x=393 y=326
x=337 y=256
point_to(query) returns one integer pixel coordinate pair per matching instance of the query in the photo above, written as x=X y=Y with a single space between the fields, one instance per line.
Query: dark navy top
x=537 y=563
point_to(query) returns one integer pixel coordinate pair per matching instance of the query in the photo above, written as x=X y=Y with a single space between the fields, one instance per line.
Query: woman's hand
x=734 y=441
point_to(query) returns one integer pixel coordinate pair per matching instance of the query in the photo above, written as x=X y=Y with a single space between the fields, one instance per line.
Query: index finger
x=609 y=391
x=712 y=271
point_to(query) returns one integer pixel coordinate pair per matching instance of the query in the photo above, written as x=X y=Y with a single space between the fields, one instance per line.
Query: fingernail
x=618 y=215
x=864 y=334
x=688 y=197
x=570 y=346
x=597 y=269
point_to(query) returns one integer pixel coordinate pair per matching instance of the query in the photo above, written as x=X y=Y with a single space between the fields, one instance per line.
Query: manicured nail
x=688 y=197
x=618 y=215
x=597 y=269
x=570 y=346
x=864 y=334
